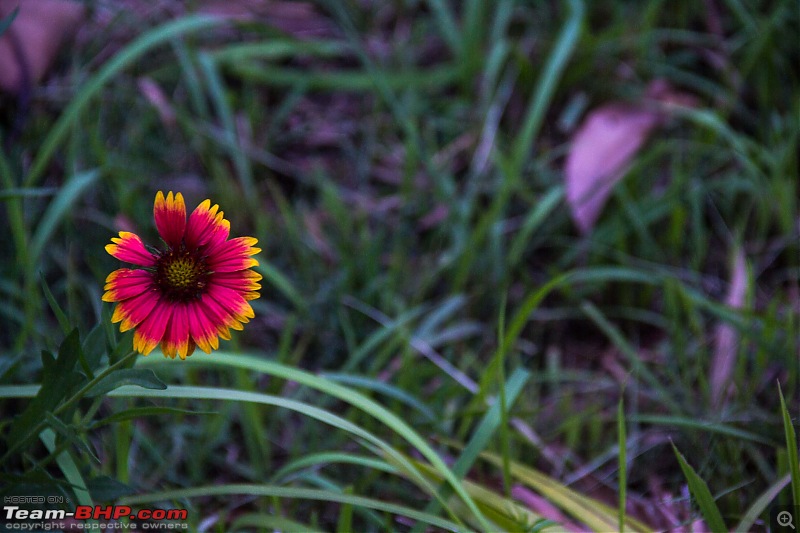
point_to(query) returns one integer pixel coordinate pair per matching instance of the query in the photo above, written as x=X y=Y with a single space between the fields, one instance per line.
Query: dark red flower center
x=181 y=275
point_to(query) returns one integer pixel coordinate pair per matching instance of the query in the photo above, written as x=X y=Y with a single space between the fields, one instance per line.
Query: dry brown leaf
x=604 y=145
x=30 y=44
x=725 y=337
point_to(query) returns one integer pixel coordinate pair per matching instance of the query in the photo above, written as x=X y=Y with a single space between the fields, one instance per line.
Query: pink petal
x=133 y=311
x=202 y=328
x=231 y=301
x=233 y=255
x=221 y=319
x=125 y=283
x=206 y=225
x=151 y=330
x=170 y=217
x=129 y=248
x=176 y=336
x=241 y=280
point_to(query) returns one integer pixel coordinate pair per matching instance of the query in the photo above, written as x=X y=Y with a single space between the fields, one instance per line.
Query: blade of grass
x=84 y=94
x=63 y=321
x=447 y=24
x=244 y=170
x=258 y=521
x=356 y=399
x=290 y=492
x=701 y=425
x=328 y=458
x=483 y=433
x=791 y=449
x=703 y=497
x=383 y=388
x=68 y=467
x=596 y=515
x=58 y=208
x=546 y=86
x=761 y=504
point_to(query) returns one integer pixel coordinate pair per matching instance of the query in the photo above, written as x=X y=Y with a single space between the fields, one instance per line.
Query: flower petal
x=170 y=217
x=206 y=225
x=176 y=336
x=241 y=280
x=151 y=330
x=129 y=247
x=125 y=283
x=233 y=255
x=202 y=328
x=221 y=318
x=232 y=302
x=133 y=311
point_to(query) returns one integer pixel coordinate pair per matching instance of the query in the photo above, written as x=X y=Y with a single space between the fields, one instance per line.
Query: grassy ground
x=431 y=320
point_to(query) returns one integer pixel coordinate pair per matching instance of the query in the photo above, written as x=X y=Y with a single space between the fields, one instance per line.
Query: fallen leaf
x=725 y=337
x=606 y=142
x=31 y=42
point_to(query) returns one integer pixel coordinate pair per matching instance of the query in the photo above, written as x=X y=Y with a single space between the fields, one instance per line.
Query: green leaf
x=63 y=321
x=68 y=432
x=791 y=449
x=108 y=489
x=94 y=347
x=127 y=376
x=57 y=379
x=703 y=497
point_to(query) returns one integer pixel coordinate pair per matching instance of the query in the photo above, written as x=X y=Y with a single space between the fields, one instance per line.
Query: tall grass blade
x=791 y=449
x=703 y=497
x=88 y=90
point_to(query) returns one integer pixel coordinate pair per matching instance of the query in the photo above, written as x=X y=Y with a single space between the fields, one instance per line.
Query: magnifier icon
x=785 y=519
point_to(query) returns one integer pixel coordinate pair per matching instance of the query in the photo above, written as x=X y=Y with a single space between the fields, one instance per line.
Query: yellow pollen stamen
x=182 y=273
x=182 y=276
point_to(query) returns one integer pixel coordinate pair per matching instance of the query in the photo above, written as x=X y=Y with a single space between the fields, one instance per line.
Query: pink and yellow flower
x=190 y=293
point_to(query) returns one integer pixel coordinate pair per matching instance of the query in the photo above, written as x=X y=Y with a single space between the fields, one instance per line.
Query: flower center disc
x=180 y=275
